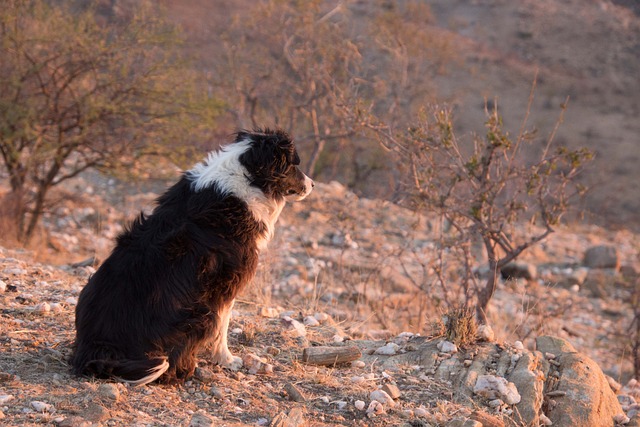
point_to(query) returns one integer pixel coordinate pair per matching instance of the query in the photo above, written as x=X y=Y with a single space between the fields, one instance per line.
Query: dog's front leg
x=221 y=354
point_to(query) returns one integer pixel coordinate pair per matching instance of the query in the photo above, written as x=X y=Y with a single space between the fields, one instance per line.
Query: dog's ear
x=287 y=148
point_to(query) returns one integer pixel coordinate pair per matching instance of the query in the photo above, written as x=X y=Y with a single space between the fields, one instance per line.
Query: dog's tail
x=134 y=372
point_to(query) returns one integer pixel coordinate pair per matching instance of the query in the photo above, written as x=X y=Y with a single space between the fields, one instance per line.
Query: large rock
x=528 y=377
x=585 y=398
x=602 y=256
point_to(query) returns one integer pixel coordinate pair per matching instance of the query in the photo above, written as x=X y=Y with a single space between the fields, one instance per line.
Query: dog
x=169 y=285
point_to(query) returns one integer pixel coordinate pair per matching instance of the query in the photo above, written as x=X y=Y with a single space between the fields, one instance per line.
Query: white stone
x=338 y=338
x=269 y=312
x=41 y=406
x=518 y=345
x=359 y=404
x=388 y=349
x=310 y=321
x=341 y=404
x=545 y=420
x=485 y=333
x=495 y=403
x=375 y=408
x=14 y=271
x=5 y=398
x=358 y=364
x=493 y=387
x=43 y=308
x=447 y=347
x=3 y=286
x=421 y=412
x=71 y=301
x=256 y=364
x=382 y=397
x=321 y=317
x=294 y=327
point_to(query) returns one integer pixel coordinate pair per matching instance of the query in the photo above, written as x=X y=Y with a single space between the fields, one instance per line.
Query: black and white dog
x=169 y=285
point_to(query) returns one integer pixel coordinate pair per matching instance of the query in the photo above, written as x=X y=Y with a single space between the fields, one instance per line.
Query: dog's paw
x=234 y=364
x=228 y=360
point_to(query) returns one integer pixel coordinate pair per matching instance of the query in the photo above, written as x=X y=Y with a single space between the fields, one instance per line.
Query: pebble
x=518 y=345
x=200 y=419
x=392 y=390
x=294 y=327
x=626 y=400
x=358 y=364
x=485 y=333
x=15 y=271
x=338 y=338
x=71 y=301
x=421 y=412
x=109 y=391
x=273 y=351
x=3 y=286
x=447 y=347
x=256 y=364
x=321 y=317
x=359 y=404
x=4 y=398
x=341 y=404
x=495 y=403
x=545 y=420
x=269 y=312
x=294 y=393
x=375 y=408
x=203 y=374
x=216 y=392
x=494 y=387
x=388 y=349
x=310 y=321
x=382 y=397
x=41 y=406
x=621 y=419
x=43 y=308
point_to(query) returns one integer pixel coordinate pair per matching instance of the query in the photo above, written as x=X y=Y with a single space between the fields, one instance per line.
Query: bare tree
x=78 y=94
x=484 y=189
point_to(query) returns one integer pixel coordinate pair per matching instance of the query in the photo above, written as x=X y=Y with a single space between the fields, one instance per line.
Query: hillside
x=337 y=258
x=583 y=51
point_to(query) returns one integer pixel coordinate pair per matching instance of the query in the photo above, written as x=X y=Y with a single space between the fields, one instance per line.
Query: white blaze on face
x=308 y=186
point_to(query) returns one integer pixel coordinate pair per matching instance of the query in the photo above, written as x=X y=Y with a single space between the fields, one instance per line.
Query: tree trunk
x=485 y=294
x=12 y=207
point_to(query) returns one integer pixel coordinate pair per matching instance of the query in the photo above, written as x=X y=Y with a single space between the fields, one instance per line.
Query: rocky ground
x=342 y=271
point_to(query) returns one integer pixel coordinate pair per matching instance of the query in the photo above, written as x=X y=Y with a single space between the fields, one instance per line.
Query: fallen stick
x=329 y=356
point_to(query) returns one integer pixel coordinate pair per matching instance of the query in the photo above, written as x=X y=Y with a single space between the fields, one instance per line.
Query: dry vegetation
x=367 y=264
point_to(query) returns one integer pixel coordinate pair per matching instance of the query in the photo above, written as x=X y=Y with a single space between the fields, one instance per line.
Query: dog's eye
x=291 y=192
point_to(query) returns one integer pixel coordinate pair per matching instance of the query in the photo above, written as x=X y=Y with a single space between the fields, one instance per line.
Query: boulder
x=585 y=397
x=528 y=377
x=602 y=256
x=519 y=270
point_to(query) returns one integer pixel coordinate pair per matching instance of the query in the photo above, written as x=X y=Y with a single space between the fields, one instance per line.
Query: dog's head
x=272 y=162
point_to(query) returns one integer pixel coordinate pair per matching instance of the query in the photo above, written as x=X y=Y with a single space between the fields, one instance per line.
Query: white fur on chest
x=224 y=169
